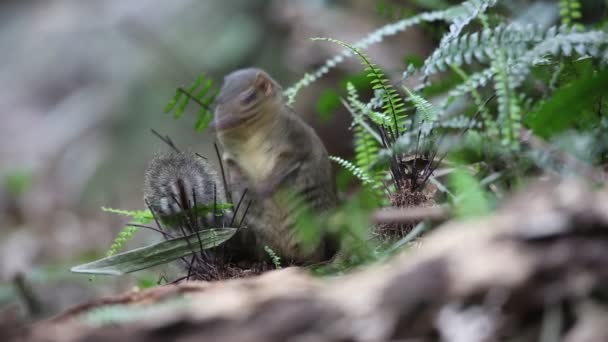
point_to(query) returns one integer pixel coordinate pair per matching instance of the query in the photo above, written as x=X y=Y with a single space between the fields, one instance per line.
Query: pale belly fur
x=254 y=160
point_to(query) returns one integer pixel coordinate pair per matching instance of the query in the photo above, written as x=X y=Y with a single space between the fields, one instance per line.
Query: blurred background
x=83 y=82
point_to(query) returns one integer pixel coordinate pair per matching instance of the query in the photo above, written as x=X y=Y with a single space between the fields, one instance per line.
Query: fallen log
x=537 y=270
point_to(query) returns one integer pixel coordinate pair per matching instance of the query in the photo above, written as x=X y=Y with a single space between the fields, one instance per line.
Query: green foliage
x=566 y=106
x=355 y=170
x=501 y=62
x=276 y=260
x=203 y=93
x=471 y=200
x=521 y=47
x=351 y=223
x=491 y=126
x=146 y=282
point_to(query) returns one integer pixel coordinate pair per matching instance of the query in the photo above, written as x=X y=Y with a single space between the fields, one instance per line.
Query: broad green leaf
x=565 y=107
x=157 y=254
x=471 y=199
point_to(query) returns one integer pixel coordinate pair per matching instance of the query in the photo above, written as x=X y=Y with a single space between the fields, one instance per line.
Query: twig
x=219 y=160
x=166 y=140
x=421 y=228
x=200 y=156
x=244 y=214
x=151 y=228
x=29 y=298
x=406 y=215
x=165 y=234
x=193 y=98
x=238 y=205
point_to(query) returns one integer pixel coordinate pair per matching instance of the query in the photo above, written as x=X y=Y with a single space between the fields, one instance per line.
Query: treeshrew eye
x=249 y=97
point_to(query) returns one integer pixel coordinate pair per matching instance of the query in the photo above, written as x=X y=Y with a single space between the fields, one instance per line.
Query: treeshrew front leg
x=277 y=177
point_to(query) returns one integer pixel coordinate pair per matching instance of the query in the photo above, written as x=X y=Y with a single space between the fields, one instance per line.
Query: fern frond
x=570 y=13
x=276 y=260
x=203 y=93
x=428 y=111
x=356 y=171
x=515 y=39
x=473 y=82
x=509 y=112
x=140 y=217
x=489 y=123
x=366 y=140
x=524 y=47
x=459 y=15
x=562 y=43
x=403 y=144
x=393 y=103
x=373 y=38
x=293 y=91
x=362 y=108
x=470 y=10
x=121 y=240
x=459 y=122
x=366 y=148
x=520 y=43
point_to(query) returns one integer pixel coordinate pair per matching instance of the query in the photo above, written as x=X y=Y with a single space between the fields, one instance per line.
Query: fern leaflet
x=393 y=105
x=570 y=13
x=203 y=93
x=509 y=112
x=140 y=217
x=356 y=171
x=371 y=39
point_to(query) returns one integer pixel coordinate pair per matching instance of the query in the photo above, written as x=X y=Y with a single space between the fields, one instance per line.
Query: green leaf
x=203 y=120
x=471 y=199
x=169 y=107
x=156 y=254
x=565 y=106
x=203 y=92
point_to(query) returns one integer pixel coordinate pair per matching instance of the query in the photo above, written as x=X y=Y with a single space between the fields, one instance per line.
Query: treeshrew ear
x=263 y=82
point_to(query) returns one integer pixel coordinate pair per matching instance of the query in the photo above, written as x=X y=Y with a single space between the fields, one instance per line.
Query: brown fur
x=272 y=152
